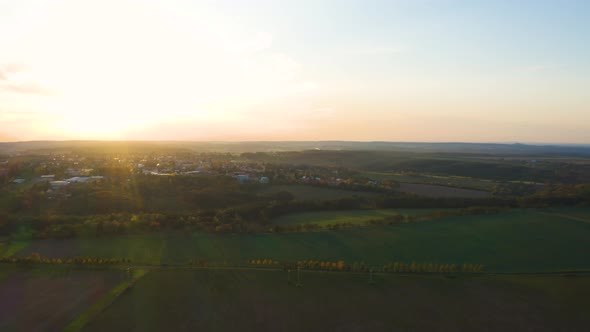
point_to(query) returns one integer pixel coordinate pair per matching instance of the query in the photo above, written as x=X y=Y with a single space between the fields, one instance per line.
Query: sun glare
x=106 y=79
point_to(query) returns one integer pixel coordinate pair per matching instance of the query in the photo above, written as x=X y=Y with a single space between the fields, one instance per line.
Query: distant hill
x=266 y=146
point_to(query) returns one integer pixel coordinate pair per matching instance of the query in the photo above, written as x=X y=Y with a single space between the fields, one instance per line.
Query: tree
x=284 y=196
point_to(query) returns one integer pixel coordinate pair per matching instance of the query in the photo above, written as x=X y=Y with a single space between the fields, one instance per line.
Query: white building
x=58 y=184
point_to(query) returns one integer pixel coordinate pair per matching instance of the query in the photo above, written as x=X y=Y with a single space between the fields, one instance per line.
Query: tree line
x=37 y=258
x=391 y=267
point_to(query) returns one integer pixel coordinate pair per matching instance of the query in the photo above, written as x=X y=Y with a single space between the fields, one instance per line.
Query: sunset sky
x=412 y=70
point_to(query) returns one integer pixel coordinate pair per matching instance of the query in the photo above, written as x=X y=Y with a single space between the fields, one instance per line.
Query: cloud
x=27 y=88
x=169 y=65
x=11 y=68
x=14 y=78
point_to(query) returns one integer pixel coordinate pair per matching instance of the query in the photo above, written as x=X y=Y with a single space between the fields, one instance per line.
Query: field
x=440 y=191
x=302 y=192
x=48 y=299
x=579 y=214
x=453 y=181
x=512 y=241
x=311 y=193
x=224 y=300
x=345 y=216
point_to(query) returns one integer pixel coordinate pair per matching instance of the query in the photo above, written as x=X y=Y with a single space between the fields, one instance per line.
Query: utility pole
x=299 y=277
x=129 y=274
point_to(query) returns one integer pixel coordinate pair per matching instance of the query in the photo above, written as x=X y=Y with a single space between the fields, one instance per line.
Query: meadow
x=516 y=241
x=240 y=300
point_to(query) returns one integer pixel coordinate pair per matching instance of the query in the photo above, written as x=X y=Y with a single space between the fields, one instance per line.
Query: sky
x=395 y=70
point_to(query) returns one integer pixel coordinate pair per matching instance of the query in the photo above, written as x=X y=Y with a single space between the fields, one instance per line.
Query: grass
x=302 y=192
x=15 y=243
x=512 y=241
x=225 y=300
x=11 y=248
x=429 y=190
x=345 y=216
x=454 y=181
x=82 y=320
x=581 y=214
x=147 y=248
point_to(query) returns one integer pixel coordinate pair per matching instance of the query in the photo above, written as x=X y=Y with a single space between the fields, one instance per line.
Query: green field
x=454 y=181
x=580 y=214
x=511 y=241
x=430 y=190
x=345 y=216
x=225 y=300
x=311 y=193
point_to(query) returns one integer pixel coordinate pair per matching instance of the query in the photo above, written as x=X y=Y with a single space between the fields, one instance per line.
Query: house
x=77 y=179
x=58 y=184
x=81 y=179
x=242 y=178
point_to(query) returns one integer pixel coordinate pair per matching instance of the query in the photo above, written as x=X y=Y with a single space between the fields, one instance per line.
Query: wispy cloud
x=26 y=88
x=11 y=68
x=13 y=80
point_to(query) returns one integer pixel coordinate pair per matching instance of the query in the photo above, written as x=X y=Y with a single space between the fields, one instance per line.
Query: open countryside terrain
x=238 y=300
x=48 y=299
x=311 y=193
x=579 y=214
x=442 y=180
x=500 y=252
x=440 y=191
x=517 y=241
x=346 y=216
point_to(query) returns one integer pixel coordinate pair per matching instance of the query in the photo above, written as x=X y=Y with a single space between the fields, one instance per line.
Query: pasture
x=240 y=300
x=513 y=241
